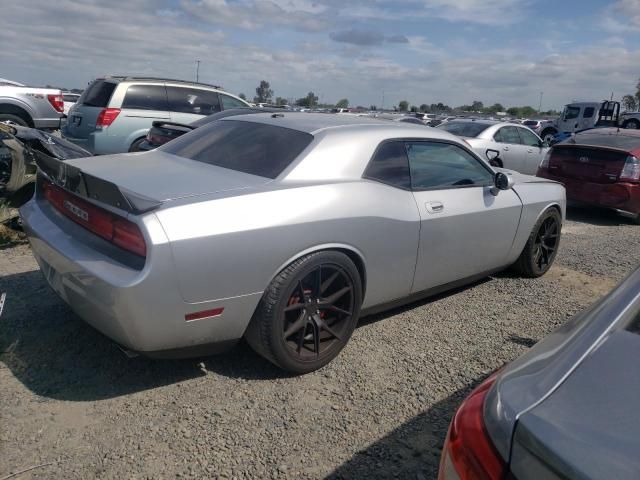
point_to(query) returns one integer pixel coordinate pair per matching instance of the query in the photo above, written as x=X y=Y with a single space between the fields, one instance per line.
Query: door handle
x=434 y=207
x=530 y=150
x=506 y=149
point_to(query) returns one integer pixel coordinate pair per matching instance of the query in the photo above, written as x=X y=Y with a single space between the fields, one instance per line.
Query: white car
x=504 y=144
x=69 y=100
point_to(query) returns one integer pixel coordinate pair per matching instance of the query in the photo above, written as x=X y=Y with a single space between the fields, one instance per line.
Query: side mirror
x=502 y=181
x=491 y=154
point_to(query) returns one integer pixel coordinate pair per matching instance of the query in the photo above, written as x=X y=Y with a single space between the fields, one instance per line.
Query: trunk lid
x=591 y=164
x=83 y=115
x=163 y=177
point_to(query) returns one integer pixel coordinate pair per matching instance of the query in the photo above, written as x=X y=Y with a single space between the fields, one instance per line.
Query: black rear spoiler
x=161 y=123
x=85 y=185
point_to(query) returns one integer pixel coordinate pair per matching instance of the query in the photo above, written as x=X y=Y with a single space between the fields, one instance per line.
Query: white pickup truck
x=40 y=108
x=580 y=116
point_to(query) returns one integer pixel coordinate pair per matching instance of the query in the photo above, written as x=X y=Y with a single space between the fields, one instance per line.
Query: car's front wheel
x=632 y=124
x=308 y=312
x=542 y=246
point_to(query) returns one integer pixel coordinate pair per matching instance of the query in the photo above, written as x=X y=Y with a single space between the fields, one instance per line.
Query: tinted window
x=230 y=102
x=507 y=135
x=530 y=123
x=588 y=112
x=390 y=165
x=146 y=97
x=98 y=94
x=528 y=138
x=412 y=120
x=465 y=129
x=192 y=100
x=70 y=98
x=442 y=165
x=247 y=147
x=571 y=112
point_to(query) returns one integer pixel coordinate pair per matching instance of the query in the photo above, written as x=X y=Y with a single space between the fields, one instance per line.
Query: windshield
x=254 y=148
x=571 y=112
x=464 y=129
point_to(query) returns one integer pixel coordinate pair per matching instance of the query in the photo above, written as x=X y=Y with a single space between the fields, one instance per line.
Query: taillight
x=631 y=169
x=111 y=227
x=106 y=117
x=56 y=102
x=468 y=452
x=545 y=160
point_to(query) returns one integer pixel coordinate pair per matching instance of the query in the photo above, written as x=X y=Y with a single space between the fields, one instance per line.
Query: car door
x=569 y=120
x=588 y=118
x=466 y=226
x=535 y=151
x=512 y=152
x=188 y=104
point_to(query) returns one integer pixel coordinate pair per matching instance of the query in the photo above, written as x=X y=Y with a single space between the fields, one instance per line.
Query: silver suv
x=114 y=114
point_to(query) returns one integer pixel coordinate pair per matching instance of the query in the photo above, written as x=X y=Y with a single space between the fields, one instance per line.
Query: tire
x=14 y=119
x=319 y=325
x=633 y=124
x=547 y=136
x=135 y=146
x=531 y=262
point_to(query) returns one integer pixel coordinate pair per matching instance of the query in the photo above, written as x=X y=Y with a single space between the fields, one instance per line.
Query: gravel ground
x=73 y=406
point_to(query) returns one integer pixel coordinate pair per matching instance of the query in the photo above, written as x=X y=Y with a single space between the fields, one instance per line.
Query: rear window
x=530 y=123
x=248 y=147
x=464 y=129
x=98 y=94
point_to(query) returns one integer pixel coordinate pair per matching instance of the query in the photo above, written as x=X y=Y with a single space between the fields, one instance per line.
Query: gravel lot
x=69 y=399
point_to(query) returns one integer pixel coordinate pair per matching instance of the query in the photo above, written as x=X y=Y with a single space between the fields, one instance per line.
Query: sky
x=372 y=52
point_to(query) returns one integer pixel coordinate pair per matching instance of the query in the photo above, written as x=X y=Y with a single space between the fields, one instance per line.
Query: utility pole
x=197 y=70
x=540 y=105
x=382 y=107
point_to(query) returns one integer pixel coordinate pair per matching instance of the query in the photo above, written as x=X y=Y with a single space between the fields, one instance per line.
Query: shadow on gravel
x=597 y=216
x=57 y=355
x=411 y=451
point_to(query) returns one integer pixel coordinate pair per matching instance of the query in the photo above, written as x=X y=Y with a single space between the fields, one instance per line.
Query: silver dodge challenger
x=282 y=228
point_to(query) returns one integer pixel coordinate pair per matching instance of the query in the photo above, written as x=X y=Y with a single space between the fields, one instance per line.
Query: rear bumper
x=142 y=310
x=624 y=197
x=86 y=143
x=47 y=123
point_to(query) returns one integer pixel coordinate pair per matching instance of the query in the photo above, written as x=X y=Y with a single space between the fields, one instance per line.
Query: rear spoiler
x=160 y=123
x=85 y=185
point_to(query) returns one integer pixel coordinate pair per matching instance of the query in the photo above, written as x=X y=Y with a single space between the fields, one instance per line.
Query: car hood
x=164 y=177
x=590 y=425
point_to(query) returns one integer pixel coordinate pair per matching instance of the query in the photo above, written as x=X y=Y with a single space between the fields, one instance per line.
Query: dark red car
x=598 y=167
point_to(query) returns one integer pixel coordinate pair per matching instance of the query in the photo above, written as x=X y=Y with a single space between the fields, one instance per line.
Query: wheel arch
x=354 y=254
x=11 y=109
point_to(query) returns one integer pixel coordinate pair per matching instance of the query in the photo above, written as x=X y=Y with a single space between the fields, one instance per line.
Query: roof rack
x=135 y=77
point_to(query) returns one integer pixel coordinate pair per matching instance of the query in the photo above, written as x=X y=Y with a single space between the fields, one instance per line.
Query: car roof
x=480 y=121
x=309 y=122
x=125 y=78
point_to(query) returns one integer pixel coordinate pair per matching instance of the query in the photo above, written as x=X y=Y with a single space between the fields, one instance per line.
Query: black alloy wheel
x=542 y=245
x=308 y=312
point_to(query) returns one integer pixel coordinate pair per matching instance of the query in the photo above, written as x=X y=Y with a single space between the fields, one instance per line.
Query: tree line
x=630 y=102
x=264 y=94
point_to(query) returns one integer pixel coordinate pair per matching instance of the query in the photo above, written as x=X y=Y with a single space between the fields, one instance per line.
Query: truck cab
x=579 y=116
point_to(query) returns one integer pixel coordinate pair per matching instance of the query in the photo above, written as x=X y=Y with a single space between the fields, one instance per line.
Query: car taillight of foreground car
x=114 y=229
x=468 y=452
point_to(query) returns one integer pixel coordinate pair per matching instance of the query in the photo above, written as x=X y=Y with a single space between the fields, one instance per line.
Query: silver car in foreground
x=504 y=144
x=567 y=409
x=284 y=228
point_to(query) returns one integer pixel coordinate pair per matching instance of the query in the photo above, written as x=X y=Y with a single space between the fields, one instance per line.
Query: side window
x=571 y=113
x=146 y=97
x=588 y=112
x=442 y=165
x=193 y=100
x=390 y=165
x=507 y=135
x=230 y=102
x=528 y=138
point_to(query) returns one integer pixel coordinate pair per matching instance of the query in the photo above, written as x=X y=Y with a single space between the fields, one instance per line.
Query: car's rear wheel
x=135 y=146
x=308 y=312
x=547 y=136
x=633 y=124
x=541 y=247
x=13 y=120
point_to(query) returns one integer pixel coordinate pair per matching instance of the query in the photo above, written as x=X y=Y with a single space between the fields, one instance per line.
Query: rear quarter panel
x=234 y=246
